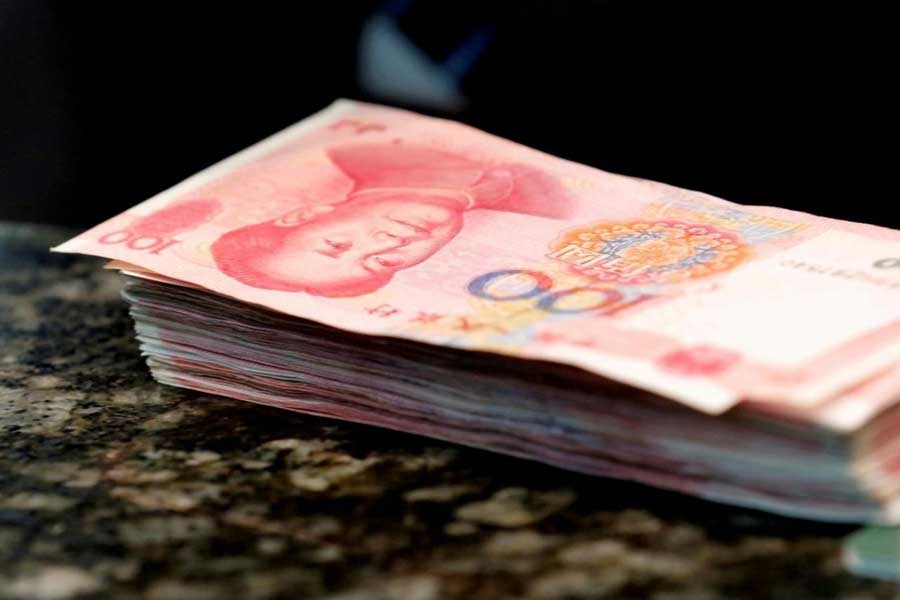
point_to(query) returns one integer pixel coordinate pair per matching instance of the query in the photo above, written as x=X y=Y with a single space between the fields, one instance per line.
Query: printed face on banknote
x=407 y=202
x=346 y=249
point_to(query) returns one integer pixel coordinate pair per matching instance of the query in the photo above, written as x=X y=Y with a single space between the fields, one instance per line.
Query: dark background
x=103 y=105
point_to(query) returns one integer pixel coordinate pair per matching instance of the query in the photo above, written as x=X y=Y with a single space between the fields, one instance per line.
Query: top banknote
x=384 y=222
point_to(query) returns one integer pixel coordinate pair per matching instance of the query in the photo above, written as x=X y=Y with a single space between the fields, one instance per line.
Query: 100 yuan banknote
x=385 y=222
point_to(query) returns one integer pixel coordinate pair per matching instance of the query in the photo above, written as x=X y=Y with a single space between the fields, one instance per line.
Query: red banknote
x=380 y=266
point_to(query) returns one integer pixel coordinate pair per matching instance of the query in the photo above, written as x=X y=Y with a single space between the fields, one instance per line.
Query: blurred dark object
x=107 y=104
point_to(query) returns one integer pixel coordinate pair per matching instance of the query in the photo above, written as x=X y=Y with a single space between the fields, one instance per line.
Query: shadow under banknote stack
x=379 y=266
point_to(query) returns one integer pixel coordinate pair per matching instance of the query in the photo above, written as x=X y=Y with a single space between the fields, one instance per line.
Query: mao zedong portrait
x=406 y=203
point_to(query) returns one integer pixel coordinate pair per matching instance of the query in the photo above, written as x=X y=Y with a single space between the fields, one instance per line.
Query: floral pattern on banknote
x=752 y=227
x=644 y=252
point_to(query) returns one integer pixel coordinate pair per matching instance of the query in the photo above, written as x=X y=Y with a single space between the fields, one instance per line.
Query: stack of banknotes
x=379 y=266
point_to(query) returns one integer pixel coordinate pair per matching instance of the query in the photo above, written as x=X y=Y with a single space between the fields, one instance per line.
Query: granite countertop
x=112 y=486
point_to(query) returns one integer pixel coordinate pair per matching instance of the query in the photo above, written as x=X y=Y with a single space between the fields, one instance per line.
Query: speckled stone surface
x=112 y=486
